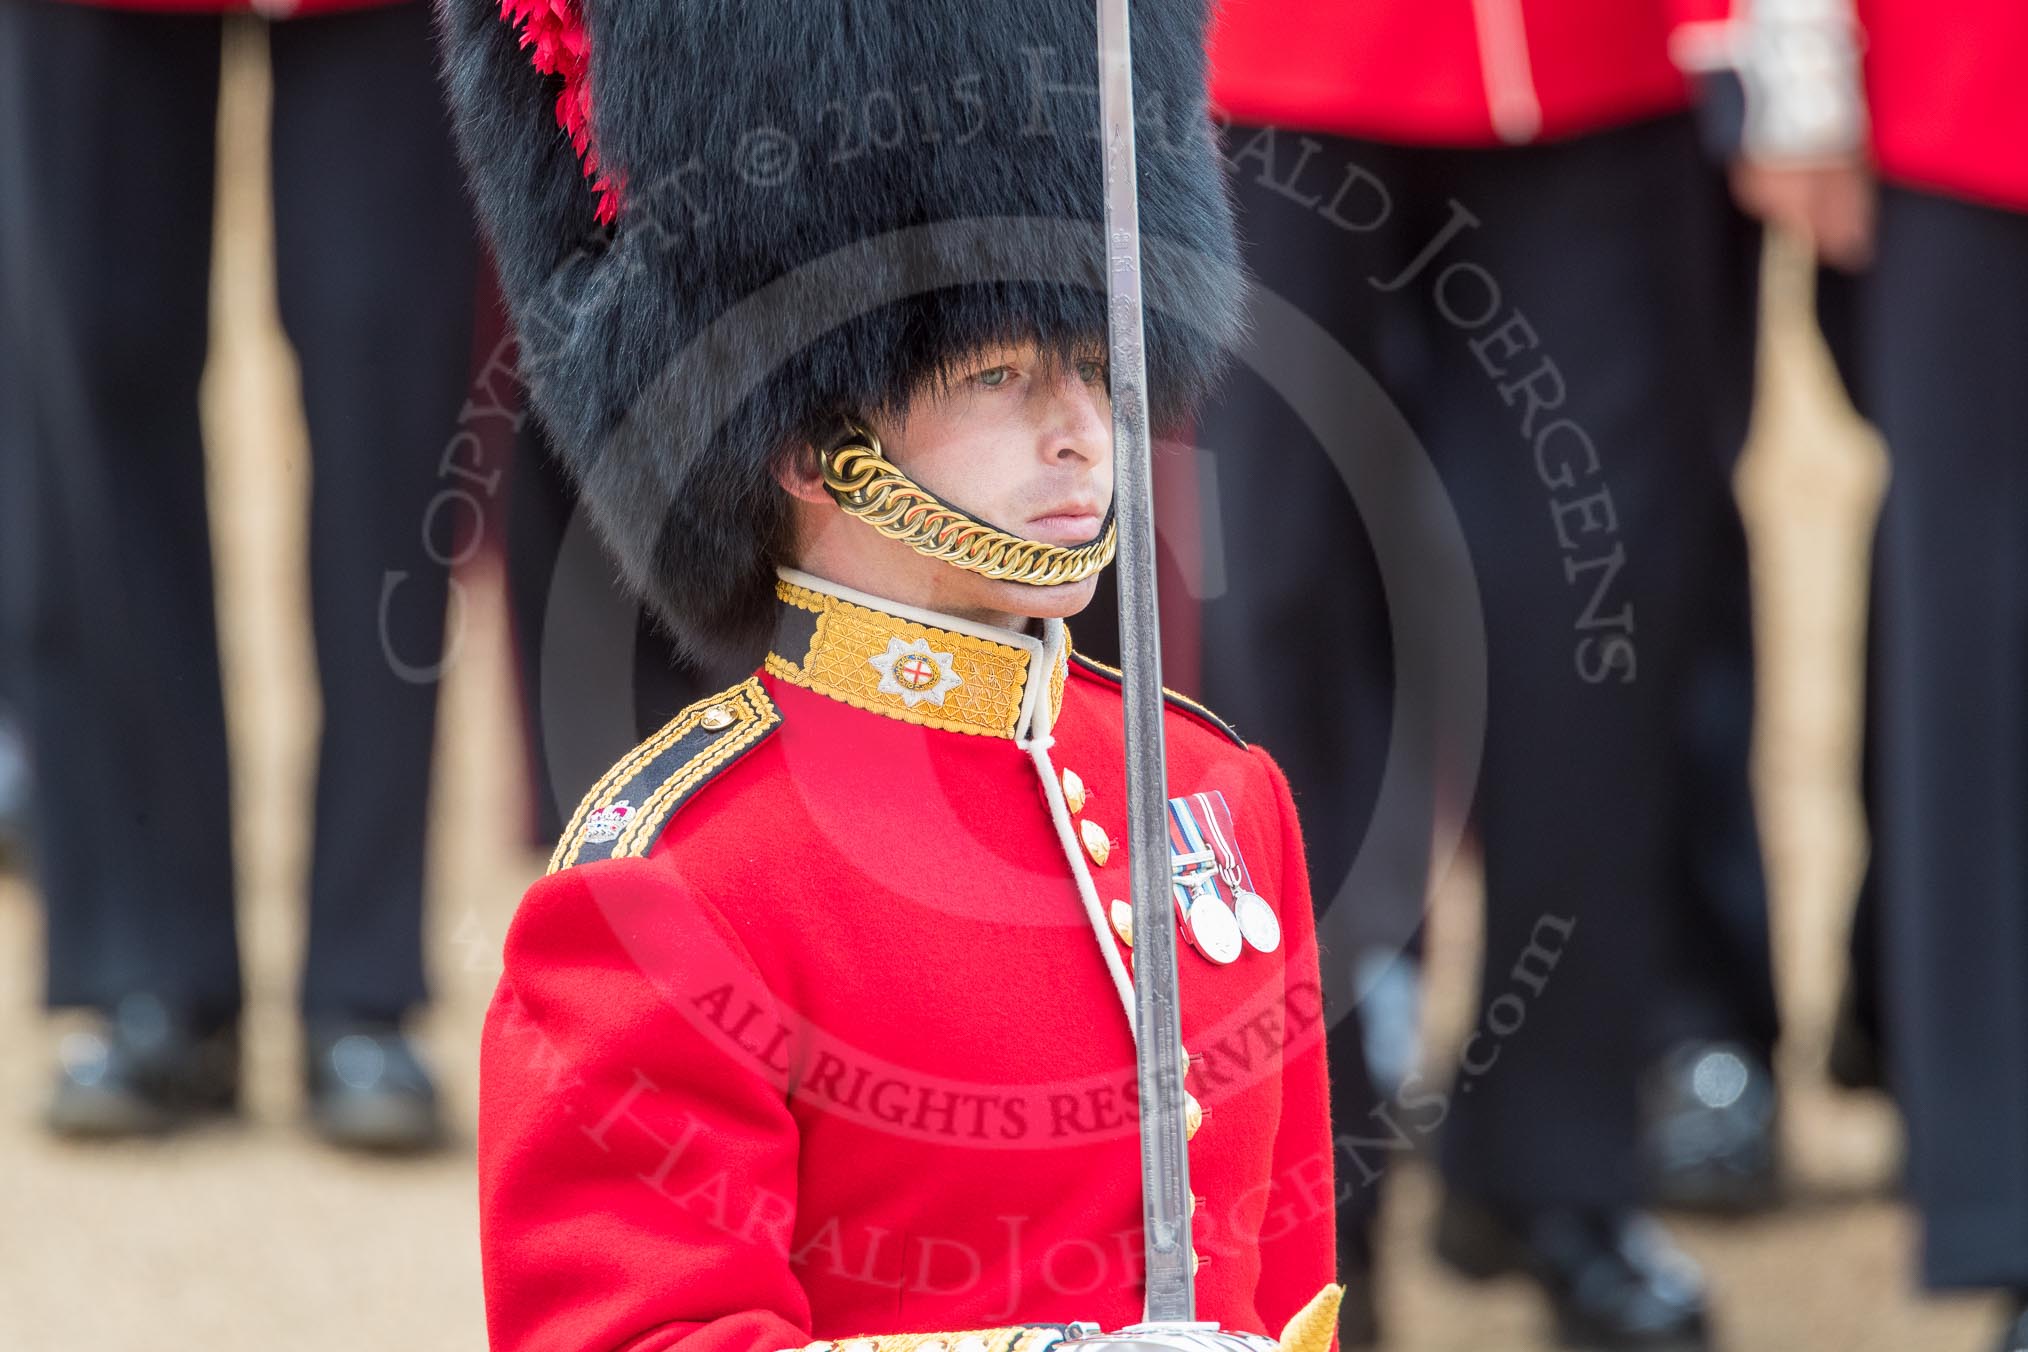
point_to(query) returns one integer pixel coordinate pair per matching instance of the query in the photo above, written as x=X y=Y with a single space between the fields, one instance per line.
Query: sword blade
x=1158 y=1055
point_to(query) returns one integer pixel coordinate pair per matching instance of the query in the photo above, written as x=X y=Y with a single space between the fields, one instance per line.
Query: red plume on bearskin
x=552 y=32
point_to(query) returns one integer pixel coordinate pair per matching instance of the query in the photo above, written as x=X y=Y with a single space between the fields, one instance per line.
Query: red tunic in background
x=840 y=1053
x=1445 y=72
x=1943 y=83
x=1945 y=88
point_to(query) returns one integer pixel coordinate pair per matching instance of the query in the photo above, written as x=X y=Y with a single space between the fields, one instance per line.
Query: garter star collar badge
x=913 y=672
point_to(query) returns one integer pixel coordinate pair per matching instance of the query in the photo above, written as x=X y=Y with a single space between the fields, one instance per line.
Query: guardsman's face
x=1023 y=443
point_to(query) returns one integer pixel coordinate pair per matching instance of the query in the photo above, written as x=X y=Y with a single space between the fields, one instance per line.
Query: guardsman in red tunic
x=1916 y=193
x=820 y=1029
x=1507 y=212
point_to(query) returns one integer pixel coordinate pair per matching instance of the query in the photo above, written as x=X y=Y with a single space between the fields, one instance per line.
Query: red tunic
x=1446 y=72
x=813 y=1033
x=1942 y=87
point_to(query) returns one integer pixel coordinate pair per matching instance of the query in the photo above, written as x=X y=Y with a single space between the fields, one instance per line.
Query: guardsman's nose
x=1083 y=427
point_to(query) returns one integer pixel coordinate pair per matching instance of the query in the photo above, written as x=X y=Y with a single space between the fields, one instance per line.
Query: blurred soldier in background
x=1505 y=213
x=107 y=127
x=1925 y=204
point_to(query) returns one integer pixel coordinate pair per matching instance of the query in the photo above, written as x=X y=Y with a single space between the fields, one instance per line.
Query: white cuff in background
x=1798 y=63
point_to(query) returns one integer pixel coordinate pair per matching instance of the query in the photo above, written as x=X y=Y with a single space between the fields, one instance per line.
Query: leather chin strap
x=866 y=484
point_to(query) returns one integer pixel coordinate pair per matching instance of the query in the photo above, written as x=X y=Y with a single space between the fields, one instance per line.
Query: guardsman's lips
x=1068 y=523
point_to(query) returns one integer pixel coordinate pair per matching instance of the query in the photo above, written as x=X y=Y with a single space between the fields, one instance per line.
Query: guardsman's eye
x=994 y=376
x=1091 y=371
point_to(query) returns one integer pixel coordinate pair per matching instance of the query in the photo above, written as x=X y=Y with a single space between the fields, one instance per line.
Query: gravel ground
x=253 y=1236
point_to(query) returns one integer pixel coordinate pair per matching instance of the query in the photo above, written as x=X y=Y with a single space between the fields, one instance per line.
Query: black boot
x=1708 y=1129
x=367 y=1088
x=1613 y=1278
x=149 y=1068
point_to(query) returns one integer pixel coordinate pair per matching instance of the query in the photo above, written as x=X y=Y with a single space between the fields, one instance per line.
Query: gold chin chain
x=869 y=486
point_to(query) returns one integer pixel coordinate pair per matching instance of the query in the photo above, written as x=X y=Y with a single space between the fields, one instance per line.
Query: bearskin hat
x=724 y=225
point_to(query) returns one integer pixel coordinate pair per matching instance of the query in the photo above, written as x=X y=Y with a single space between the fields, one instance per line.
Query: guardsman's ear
x=801 y=475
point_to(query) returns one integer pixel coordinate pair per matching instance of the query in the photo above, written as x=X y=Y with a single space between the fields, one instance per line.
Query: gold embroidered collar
x=916 y=665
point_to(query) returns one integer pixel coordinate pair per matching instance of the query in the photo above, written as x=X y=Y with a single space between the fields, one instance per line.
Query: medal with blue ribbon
x=1257 y=920
x=1207 y=922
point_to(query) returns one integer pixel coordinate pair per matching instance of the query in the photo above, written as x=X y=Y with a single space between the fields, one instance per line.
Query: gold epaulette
x=1176 y=701
x=1018 y=1338
x=626 y=810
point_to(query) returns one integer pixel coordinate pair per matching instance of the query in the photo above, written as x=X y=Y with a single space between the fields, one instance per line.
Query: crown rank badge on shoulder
x=1216 y=905
x=605 y=824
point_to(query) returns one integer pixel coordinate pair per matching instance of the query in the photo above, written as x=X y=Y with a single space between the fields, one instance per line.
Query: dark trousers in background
x=107 y=128
x=1935 y=339
x=597 y=675
x=1612 y=804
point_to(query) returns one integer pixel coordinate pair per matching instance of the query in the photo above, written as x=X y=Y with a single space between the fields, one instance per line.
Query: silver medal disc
x=1257 y=921
x=1213 y=929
